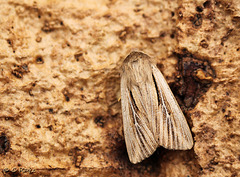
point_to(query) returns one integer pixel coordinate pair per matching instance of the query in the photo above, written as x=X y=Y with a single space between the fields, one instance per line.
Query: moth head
x=135 y=56
x=135 y=66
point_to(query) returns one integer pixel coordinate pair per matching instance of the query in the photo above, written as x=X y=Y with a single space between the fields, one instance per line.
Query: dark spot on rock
x=79 y=56
x=199 y=9
x=228 y=116
x=211 y=168
x=47 y=26
x=185 y=51
x=17 y=74
x=50 y=110
x=137 y=10
x=204 y=43
x=107 y=15
x=38 y=39
x=82 y=96
x=25 y=67
x=172 y=35
x=172 y=13
x=197 y=114
x=231 y=135
x=144 y=15
x=67 y=113
x=77 y=157
x=38 y=126
x=226 y=36
x=180 y=15
x=39 y=59
x=50 y=127
x=162 y=34
x=123 y=33
x=152 y=40
x=206 y=133
x=195 y=78
x=66 y=94
x=30 y=92
x=99 y=120
x=220 y=60
x=10 y=118
x=234 y=174
x=236 y=21
x=20 y=70
x=196 y=20
x=90 y=147
x=207 y=4
x=10 y=42
x=67 y=98
x=4 y=144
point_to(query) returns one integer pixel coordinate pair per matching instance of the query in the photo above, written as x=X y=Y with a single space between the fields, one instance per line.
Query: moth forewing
x=151 y=115
x=139 y=139
x=176 y=122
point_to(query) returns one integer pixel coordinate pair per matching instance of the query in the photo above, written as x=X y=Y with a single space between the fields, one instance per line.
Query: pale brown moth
x=151 y=114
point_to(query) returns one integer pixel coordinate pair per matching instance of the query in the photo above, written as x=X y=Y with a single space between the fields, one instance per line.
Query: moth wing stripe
x=182 y=131
x=153 y=107
x=139 y=95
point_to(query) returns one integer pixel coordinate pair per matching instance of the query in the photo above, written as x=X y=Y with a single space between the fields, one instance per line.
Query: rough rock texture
x=211 y=30
x=59 y=82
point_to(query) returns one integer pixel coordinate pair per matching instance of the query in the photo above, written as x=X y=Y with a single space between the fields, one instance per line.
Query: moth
x=151 y=114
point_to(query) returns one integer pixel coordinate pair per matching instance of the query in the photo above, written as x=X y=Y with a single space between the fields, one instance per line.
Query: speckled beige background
x=59 y=83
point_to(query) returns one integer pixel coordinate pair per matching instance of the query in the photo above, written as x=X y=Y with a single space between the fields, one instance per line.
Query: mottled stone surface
x=59 y=83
